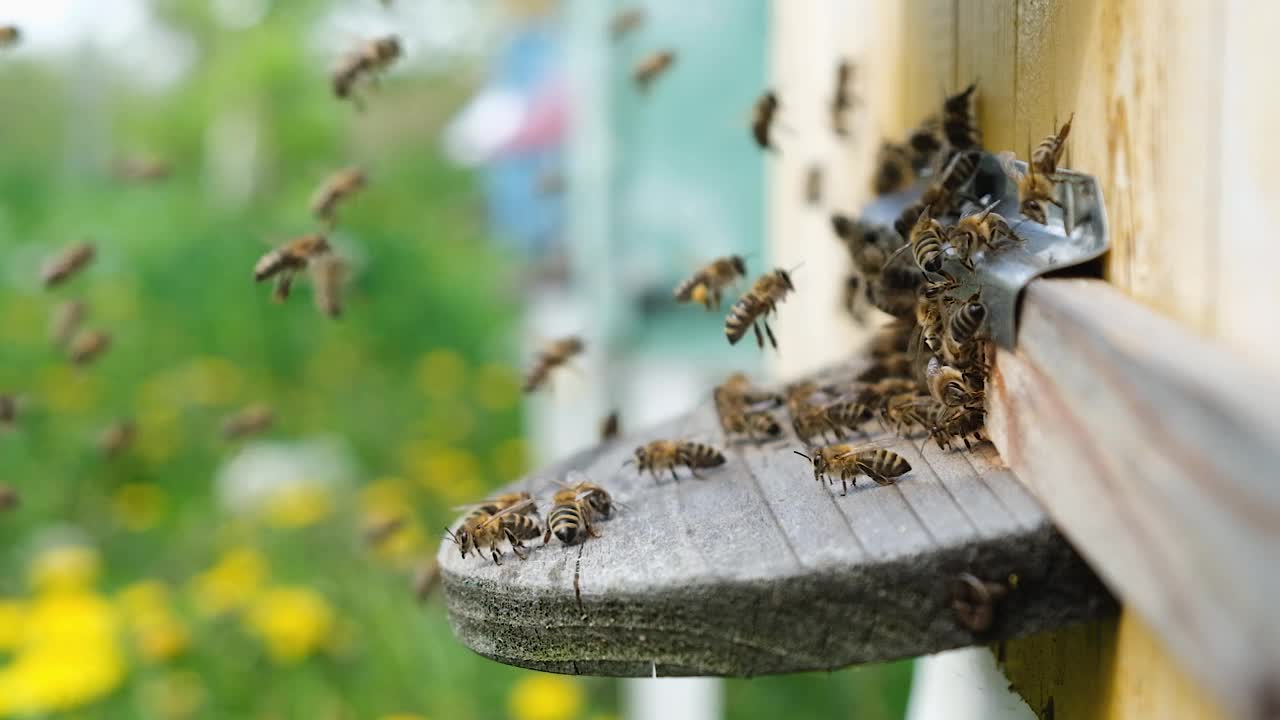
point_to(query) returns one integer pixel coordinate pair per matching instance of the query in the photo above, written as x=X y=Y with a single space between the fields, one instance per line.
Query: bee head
x=1034 y=211
x=785 y=277
x=461 y=538
x=739 y=264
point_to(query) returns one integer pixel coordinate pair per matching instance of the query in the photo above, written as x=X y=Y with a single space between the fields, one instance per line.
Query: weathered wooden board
x=759 y=569
x=1159 y=456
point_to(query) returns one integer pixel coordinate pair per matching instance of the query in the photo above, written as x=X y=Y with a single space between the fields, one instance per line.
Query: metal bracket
x=1076 y=233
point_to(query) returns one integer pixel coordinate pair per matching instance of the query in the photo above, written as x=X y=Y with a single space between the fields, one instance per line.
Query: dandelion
x=497 y=387
x=231 y=582
x=138 y=506
x=545 y=697
x=293 y=622
x=441 y=374
x=298 y=504
x=12 y=623
x=157 y=632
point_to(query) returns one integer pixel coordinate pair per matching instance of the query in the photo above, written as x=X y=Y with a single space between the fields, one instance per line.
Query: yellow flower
x=65 y=389
x=138 y=506
x=299 y=504
x=67 y=567
x=293 y=622
x=454 y=474
x=174 y=695
x=441 y=374
x=157 y=632
x=545 y=697
x=231 y=582
x=511 y=458
x=497 y=387
x=12 y=623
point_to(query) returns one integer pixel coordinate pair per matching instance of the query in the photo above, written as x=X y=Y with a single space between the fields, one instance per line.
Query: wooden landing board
x=756 y=568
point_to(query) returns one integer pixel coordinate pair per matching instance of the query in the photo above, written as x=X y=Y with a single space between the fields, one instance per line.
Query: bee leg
x=759 y=338
x=497 y=555
x=546 y=538
x=674 y=476
x=772 y=340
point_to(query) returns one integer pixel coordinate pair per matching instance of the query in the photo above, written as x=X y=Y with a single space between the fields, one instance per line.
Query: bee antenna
x=449 y=534
x=795 y=267
x=806 y=457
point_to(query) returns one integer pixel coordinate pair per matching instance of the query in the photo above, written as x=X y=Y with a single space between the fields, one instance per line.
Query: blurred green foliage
x=413 y=378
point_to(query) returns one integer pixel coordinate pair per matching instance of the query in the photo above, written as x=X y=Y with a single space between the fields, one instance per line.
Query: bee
x=1034 y=189
x=958 y=423
x=906 y=412
x=924 y=143
x=9 y=498
x=554 y=355
x=894 y=290
x=833 y=417
x=958 y=123
x=926 y=241
x=250 y=420
x=737 y=420
x=9 y=35
x=285 y=261
x=67 y=319
x=962 y=327
x=609 y=427
x=708 y=283
x=573 y=509
x=949 y=386
x=329 y=274
x=842 y=99
x=425 y=578
x=849 y=461
x=651 y=67
x=8 y=411
x=481 y=531
x=117 y=438
x=335 y=189
x=368 y=60
x=891 y=339
x=737 y=389
x=894 y=169
x=813 y=185
x=67 y=263
x=625 y=22
x=973 y=601
x=762 y=116
x=981 y=229
x=753 y=308
x=1045 y=156
x=942 y=192
x=88 y=345
x=142 y=168
x=667 y=455
x=382 y=529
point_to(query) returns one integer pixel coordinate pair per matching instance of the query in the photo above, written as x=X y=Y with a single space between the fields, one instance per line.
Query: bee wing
x=522 y=505
x=1007 y=160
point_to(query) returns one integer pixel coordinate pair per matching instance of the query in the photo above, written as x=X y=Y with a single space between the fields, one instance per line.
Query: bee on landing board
x=651 y=67
x=66 y=264
x=336 y=188
x=849 y=461
x=574 y=507
x=556 y=354
x=978 y=230
x=752 y=309
x=661 y=456
x=707 y=285
x=284 y=262
x=481 y=531
x=763 y=114
x=365 y=62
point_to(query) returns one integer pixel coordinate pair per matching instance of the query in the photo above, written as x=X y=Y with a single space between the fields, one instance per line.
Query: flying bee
x=959 y=125
x=753 y=308
x=984 y=228
x=381 y=529
x=893 y=169
x=651 y=67
x=1035 y=189
x=1045 y=156
x=335 y=189
x=849 y=461
x=661 y=456
x=557 y=353
x=117 y=438
x=329 y=274
x=250 y=420
x=368 y=61
x=287 y=260
x=8 y=411
x=88 y=345
x=9 y=498
x=708 y=283
x=625 y=22
x=813 y=185
x=762 y=116
x=142 y=169
x=609 y=427
x=67 y=319
x=9 y=35
x=67 y=263
x=842 y=99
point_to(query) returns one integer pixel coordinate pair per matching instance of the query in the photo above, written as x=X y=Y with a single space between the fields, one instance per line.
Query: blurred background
x=520 y=188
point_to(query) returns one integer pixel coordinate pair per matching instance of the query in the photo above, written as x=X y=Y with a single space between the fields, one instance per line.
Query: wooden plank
x=1156 y=453
x=989 y=62
x=1112 y=669
x=759 y=569
x=928 y=57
